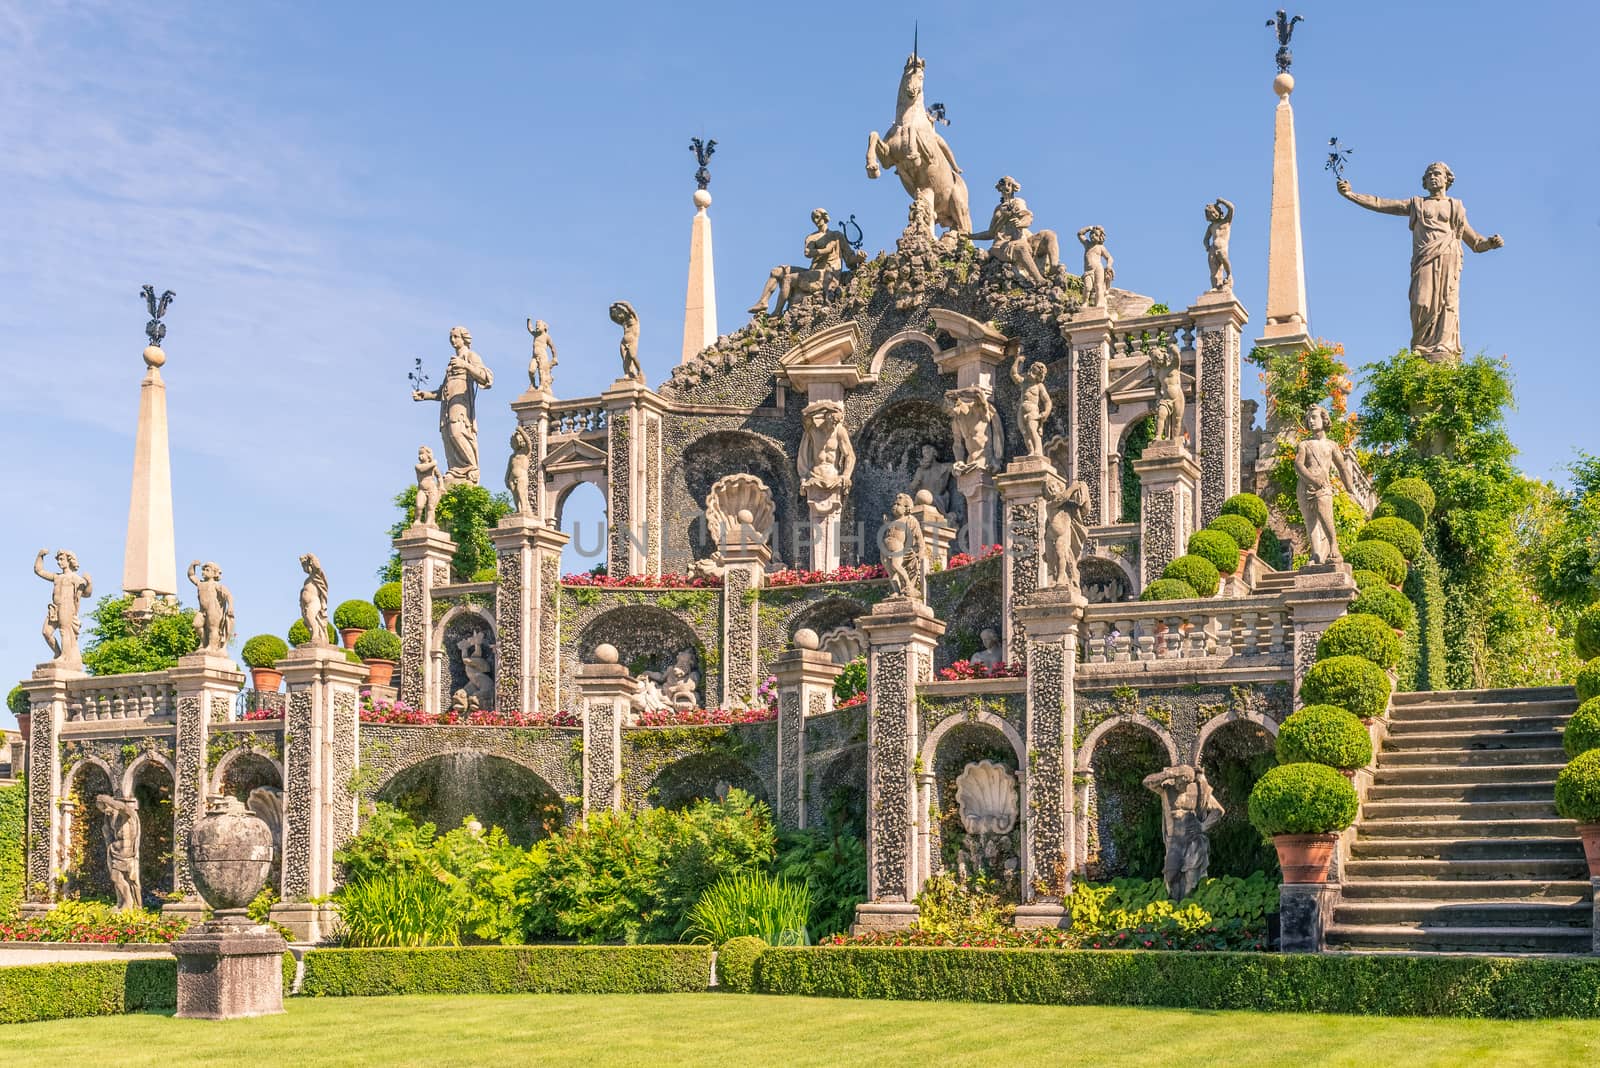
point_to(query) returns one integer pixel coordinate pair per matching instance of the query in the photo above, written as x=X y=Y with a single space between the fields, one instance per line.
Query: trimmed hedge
x=1397 y=532
x=1401 y=508
x=736 y=963
x=1168 y=589
x=1361 y=634
x=378 y=644
x=1217 y=547
x=355 y=615
x=1302 y=799
x=1391 y=606
x=1367 y=580
x=33 y=992
x=1249 y=506
x=1378 y=556
x=1354 y=684
x=13 y=832
x=1581 y=735
x=1586 y=636
x=1324 y=734
x=1241 y=530
x=507 y=970
x=1376 y=984
x=387 y=597
x=1587 y=681
x=264 y=651
x=1578 y=788
x=1199 y=573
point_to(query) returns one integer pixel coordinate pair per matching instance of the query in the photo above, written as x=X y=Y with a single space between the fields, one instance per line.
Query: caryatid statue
x=214 y=620
x=1166 y=367
x=913 y=149
x=1032 y=254
x=1034 y=406
x=518 y=465
x=1438 y=228
x=314 y=600
x=122 y=848
x=61 y=623
x=1219 y=226
x=1098 y=269
x=541 y=366
x=458 y=408
x=828 y=251
x=1188 y=811
x=827 y=460
x=623 y=315
x=1316 y=460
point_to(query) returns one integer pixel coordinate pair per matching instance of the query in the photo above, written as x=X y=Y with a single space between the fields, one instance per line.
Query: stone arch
x=458 y=623
x=443 y=788
x=978 y=607
x=832 y=611
x=837 y=792
x=646 y=637
x=955 y=742
x=937 y=735
x=1119 y=820
x=726 y=452
x=1125 y=719
x=261 y=762
x=579 y=551
x=147 y=757
x=1216 y=723
x=83 y=845
x=913 y=336
x=1235 y=749
x=703 y=775
x=1107 y=579
x=1133 y=438
x=152 y=780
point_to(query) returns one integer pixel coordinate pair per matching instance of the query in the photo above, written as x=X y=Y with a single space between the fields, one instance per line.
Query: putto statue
x=1188 y=810
x=1098 y=272
x=477 y=663
x=827 y=460
x=1034 y=406
x=623 y=315
x=829 y=253
x=1219 y=225
x=1166 y=368
x=913 y=149
x=214 y=620
x=518 y=465
x=541 y=365
x=1438 y=228
x=974 y=428
x=1315 y=461
x=458 y=408
x=933 y=476
x=122 y=848
x=905 y=552
x=1066 y=533
x=1031 y=254
x=428 y=489
x=61 y=623
x=314 y=600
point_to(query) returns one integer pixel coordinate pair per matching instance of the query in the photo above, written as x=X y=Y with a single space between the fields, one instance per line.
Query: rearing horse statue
x=914 y=149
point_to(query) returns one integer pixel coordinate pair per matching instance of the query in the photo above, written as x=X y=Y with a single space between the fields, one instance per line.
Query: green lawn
x=774 y=1032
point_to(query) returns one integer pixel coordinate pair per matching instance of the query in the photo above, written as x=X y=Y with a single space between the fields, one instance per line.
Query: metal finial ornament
x=844 y=228
x=703 y=151
x=155 y=329
x=418 y=377
x=1337 y=158
x=1285 y=27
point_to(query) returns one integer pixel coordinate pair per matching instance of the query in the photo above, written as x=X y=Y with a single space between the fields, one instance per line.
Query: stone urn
x=1305 y=858
x=230 y=856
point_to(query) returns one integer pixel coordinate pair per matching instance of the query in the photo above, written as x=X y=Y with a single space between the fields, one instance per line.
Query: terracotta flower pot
x=390 y=618
x=1305 y=858
x=380 y=671
x=1590 y=833
x=266 y=680
x=349 y=635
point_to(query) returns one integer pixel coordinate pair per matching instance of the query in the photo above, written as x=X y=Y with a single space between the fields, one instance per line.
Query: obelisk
x=150 y=565
x=700 y=302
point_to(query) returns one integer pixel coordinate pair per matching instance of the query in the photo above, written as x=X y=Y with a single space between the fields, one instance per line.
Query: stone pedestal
x=805 y=688
x=1218 y=319
x=1321 y=594
x=1304 y=911
x=977 y=488
x=1168 y=480
x=604 y=689
x=1089 y=353
x=939 y=535
x=633 y=471
x=901 y=636
x=425 y=563
x=746 y=568
x=47 y=712
x=226 y=971
x=1022 y=489
x=1050 y=619
x=527 y=617
x=207 y=685
x=823 y=533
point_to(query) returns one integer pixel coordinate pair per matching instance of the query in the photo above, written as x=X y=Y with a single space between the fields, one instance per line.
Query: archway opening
x=445 y=790
x=997 y=862
x=88 y=873
x=838 y=799
x=1126 y=827
x=581 y=515
x=1236 y=755
x=704 y=775
x=888 y=450
x=1134 y=440
x=152 y=786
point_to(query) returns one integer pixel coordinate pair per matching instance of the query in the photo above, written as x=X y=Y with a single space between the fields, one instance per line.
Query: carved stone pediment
x=1135 y=385
x=573 y=455
x=826 y=357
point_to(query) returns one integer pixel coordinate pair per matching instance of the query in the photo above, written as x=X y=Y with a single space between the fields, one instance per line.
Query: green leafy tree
x=1560 y=537
x=466 y=513
x=117 y=644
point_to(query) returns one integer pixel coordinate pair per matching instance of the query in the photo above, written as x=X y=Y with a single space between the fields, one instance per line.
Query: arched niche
x=837 y=794
x=953 y=744
x=1125 y=833
x=446 y=788
x=465 y=623
x=1235 y=749
x=887 y=450
x=979 y=607
x=726 y=452
x=151 y=783
x=647 y=638
x=826 y=614
x=1107 y=581
x=704 y=775
x=87 y=875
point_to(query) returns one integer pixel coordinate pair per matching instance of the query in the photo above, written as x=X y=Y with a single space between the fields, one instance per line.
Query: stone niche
x=1103 y=582
x=647 y=638
x=887 y=451
x=727 y=452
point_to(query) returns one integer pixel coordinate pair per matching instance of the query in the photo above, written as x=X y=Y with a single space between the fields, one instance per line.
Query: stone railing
x=1244 y=627
x=574 y=418
x=1130 y=336
x=148 y=695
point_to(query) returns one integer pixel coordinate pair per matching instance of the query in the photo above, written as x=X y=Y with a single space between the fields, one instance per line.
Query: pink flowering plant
x=601 y=580
x=966 y=669
x=708 y=717
x=382 y=710
x=963 y=559
x=92 y=922
x=801 y=576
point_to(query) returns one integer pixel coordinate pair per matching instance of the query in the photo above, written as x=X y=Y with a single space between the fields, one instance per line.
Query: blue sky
x=330 y=187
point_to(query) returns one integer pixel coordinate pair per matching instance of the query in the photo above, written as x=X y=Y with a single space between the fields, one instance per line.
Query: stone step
x=1444 y=872
x=1520 y=889
x=1472 y=741
x=1475 y=774
x=1536 y=790
x=1461 y=828
x=1418 y=939
x=1460 y=847
x=1466 y=724
x=1550 y=912
x=1513 y=695
x=1473 y=757
x=1431 y=809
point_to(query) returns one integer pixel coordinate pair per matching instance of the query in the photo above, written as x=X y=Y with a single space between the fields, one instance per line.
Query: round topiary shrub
x=18 y=701
x=1324 y=734
x=1197 y=571
x=736 y=963
x=1237 y=527
x=264 y=651
x=300 y=634
x=1401 y=508
x=1414 y=490
x=378 y=645
x=355 y=615
x=1378 y=556
x=350 y=655
x=1168 y=589
x=1583 y=729
x=1217 y=547
x=1353 y=683
x=1588 y=680
x=1395 y=531
x=1586 y=637
x=1302 y=799
x=387 y=597
x=1389 y=605
x=1249 y=506
x=1369 y=580
x=1361 y=634
x=1578 y=788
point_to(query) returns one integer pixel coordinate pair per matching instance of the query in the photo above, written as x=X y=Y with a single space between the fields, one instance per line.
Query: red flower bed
x=963 y=559
x=118 y=929
x=853 y=700
x=800 y=576
x=256 y=714
x=966 y=669
x=402 y=714
x=649 y=582
x=708 y=717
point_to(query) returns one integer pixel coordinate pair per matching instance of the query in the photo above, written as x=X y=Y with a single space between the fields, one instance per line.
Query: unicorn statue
x=913 y=149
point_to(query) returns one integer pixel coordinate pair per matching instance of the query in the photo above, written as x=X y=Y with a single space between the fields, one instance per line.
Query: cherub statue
x=477 y=653
x=214 y=620
x=905 y=551
x=1098 y=272
x=1031 y=254
x=680 y=683
x=1219 y=225
x=623 y=315
x=427 y=489
x=314 y=600
x=458 y=407
x=829 y=253
x=541 y=367
x=517 y=468
x=1316 y=459
x=1066 y=532
x=932 y=475
x=122 y=848
x=1166 y=367
x=61 y=623
x=1034 y=406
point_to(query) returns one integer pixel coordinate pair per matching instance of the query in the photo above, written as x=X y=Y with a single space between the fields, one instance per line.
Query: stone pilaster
x=532 y=410
x=47 y=711
x=633 y=471
x=527 y=594
x=741 y=584
x=1321 y=594
x=425 y=564
x=603 y=692
x=977 y=488
x=901 y=636
x=1168 y=480
x=321 y=730
x=1218 y=319
x=206 y=686
x=1050 y=619
x=805 y=688
x=1089 y=352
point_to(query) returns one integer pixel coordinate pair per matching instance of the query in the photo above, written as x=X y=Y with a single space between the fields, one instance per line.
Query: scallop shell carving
x=731 y=496
x=986 y=794
x=844 y=644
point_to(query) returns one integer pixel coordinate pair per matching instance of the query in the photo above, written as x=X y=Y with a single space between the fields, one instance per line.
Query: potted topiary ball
x=1325 y=734
x=261 y=655
x=300 y=634
x=380 y=651
x=1303 y=807
x=1353 y=683
x=354 y=618
x=387 y=600
x=1578 y=798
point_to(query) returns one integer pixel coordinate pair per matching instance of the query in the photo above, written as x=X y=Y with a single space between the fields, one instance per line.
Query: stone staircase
x=1458 y=847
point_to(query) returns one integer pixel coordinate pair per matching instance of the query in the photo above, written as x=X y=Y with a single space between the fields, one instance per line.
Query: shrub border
x=58 y=991
x=506 y=970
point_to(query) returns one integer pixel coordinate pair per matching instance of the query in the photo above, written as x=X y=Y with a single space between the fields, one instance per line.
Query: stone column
x=1168 y=477
x=604 y=688
x=1050 y=619
x=532 y=410
x=805 y=688
x=746 y=570
x=526 y=603
x=207 y=685
x=1089 y=344
x=1022 y=488
x=1218 y=318
x=321 y=736
x=425 y=564
x=939 y=534
x=901 y=636
x=977 y=488
x=1321 y=594
x=1304 y=912
x=633 y=472
x=47 y=711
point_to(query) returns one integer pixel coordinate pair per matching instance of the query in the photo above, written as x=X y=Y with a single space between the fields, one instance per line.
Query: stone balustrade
x=1211 y=629
x=149 y=695
x=575 y=418
x=1131 y=335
